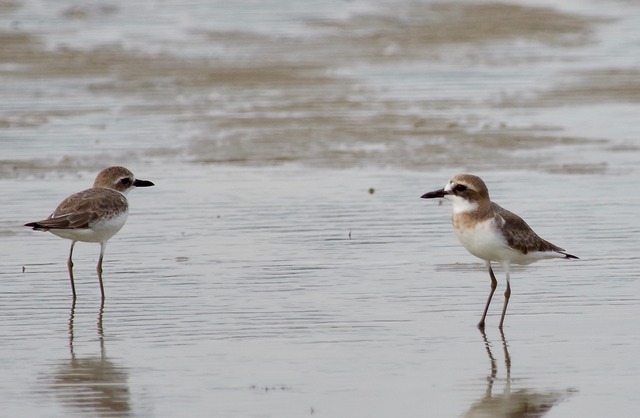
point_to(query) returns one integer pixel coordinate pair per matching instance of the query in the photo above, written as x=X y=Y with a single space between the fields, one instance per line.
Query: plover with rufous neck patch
x=492 y=233
x=93 y=215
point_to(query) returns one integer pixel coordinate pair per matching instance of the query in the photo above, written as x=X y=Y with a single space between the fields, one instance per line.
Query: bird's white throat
x=460 y=204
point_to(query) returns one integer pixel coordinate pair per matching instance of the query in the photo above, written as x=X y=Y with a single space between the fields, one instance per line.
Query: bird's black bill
x=434 y=194
x=142 y=183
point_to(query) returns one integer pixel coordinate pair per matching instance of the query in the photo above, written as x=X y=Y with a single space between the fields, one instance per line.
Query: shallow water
x=284 y=265
x=252 y=300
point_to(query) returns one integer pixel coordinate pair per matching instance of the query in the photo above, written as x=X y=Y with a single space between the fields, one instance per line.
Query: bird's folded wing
x=519 y=234
x=80 y=220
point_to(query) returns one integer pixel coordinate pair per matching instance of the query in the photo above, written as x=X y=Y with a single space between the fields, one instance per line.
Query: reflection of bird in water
x=93 y=384
x=523 y=403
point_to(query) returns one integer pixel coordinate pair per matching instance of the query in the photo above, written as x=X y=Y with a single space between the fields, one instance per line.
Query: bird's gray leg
x=507 y=295
x=99 y=267
x=494 y=284
x=70 y=267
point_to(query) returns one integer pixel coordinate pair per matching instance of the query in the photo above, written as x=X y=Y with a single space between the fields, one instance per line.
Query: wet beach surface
x=283 y=265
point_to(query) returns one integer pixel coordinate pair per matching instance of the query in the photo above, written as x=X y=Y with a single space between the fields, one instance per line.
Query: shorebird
x=492 y=233
x=93 y=215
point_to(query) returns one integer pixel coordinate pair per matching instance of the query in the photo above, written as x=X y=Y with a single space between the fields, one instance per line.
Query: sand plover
x=93 y=215
x=492 y=233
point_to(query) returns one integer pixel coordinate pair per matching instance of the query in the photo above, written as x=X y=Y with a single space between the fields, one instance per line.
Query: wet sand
x=316 y=98
x=284 y=265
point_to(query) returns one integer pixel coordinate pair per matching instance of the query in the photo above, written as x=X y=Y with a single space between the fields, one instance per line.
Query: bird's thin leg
x=70 y=267
x=507 y=295
x=99 y=267
x=494 y=284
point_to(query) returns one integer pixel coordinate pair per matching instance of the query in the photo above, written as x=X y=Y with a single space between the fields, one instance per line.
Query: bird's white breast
x=484 y=240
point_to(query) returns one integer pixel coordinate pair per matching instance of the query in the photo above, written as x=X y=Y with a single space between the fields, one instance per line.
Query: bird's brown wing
x=70 y=221
x=80 y=210
x=519 y=234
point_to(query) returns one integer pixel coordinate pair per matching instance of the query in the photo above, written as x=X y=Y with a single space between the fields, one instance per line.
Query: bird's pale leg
x=507 y=295
x=70 y=267
x=494 y=284
x=99 y=267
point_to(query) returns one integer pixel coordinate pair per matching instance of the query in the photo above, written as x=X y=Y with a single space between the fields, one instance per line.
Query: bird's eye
x=125 y=181
x=460 y=188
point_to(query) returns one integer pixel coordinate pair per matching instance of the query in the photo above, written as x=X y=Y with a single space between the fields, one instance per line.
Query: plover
x=93 y=215
x=491 y=232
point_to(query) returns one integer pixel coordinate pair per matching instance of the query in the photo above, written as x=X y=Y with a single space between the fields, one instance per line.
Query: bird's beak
x=434 y=194
x=142 y=183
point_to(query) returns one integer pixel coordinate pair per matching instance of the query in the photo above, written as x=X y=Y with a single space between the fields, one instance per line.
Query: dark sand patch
x=607 y=85
x=406 y=32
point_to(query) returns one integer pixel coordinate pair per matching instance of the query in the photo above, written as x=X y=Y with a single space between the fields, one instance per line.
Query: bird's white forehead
x=450 y=185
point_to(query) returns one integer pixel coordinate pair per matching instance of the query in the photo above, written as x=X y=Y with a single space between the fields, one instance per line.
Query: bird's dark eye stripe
x=460 y=188
x=125 y=181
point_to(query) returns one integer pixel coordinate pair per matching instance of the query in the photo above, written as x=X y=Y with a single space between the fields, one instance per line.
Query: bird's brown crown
x=115 y=178
x=469 y=187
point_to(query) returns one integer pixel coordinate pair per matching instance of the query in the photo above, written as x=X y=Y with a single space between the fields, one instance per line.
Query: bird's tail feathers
x=569 y=256
x=36 y=226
